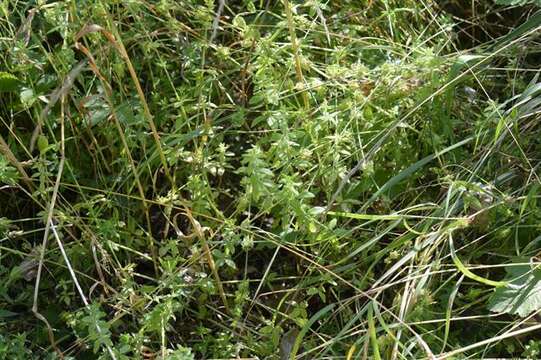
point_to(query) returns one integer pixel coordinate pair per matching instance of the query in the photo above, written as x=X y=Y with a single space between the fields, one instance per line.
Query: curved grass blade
x=306 y=327
x=460 y=266
x=412 y=169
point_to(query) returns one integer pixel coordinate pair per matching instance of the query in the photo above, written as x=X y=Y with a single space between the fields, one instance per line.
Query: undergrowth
x=269 y=179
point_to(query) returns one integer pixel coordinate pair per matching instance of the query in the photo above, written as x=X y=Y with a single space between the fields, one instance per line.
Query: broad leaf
x=522 y=295
x=8 y=82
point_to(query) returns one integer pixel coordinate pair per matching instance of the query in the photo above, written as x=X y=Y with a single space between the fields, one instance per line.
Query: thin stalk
x=295 y=48
x=210 y=260
x=109 y=95
x=119 y=46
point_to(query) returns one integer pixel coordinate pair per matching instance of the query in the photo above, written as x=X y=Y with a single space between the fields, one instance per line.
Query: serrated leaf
x=8 y=82
x=522 y=295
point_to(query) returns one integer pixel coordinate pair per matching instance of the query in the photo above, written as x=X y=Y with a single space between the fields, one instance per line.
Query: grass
x=269 y=179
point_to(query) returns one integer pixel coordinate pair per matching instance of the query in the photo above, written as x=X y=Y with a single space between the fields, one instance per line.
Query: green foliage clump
x=235 y=179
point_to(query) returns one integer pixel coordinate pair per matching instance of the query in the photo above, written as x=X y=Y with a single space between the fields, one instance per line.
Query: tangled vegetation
x=353 y=179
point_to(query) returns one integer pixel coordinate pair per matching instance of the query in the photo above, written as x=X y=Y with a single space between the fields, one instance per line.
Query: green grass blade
x=306 y=327
x=372 y=332
x=412 y=169
x=460 y=266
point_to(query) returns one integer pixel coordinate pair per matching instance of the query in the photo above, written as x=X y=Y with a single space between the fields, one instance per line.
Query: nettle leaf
x=8 y=82
x=98 y=328
x=522 y=295
x=181 y=353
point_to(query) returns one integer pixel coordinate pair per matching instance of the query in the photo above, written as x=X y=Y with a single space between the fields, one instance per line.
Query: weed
x=269 y=179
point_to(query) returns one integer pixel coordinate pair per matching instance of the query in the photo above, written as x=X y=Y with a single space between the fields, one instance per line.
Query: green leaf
x=181 y=353
x=8 y=174
x=239 y=22
x=522 y=295
x=528 y=26
x=27 y=96
x=93 y=319
x=306 y=327
x=8 y=82
x=43 y=144
x=372 y=332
